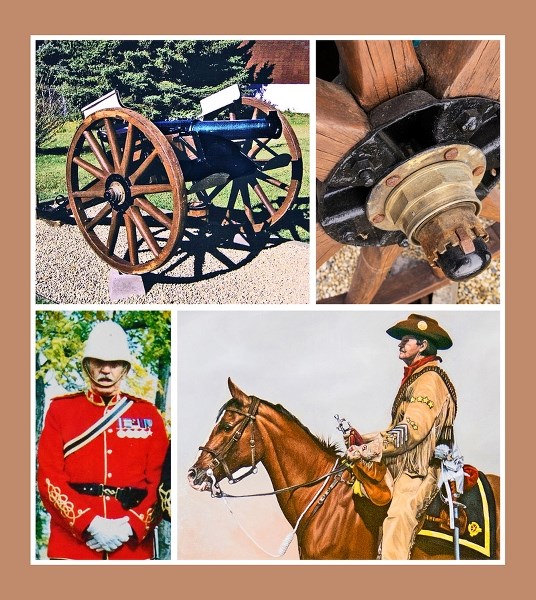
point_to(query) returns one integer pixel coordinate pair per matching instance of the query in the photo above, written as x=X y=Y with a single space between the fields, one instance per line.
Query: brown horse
x=332 y=522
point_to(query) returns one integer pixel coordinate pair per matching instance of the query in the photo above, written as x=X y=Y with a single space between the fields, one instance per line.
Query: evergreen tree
x=158 y=78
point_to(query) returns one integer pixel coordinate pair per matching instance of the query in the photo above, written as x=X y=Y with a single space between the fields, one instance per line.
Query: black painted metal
x=402 y=127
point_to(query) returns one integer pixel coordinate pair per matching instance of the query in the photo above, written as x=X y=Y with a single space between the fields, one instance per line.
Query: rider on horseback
x=422 y=418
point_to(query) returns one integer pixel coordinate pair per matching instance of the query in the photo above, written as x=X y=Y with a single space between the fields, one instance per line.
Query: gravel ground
x=334 y=277
x=67 y=271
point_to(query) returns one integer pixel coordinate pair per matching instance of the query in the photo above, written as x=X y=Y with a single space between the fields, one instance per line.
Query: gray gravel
x=335 y=275
x=67 y=271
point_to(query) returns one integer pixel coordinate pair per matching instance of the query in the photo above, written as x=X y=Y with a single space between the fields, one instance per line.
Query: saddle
x=476 y=522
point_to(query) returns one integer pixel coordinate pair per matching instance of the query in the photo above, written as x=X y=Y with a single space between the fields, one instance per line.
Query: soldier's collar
x=98 y=400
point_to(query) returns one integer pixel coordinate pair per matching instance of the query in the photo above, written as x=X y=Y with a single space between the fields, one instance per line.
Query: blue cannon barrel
x=269 y=127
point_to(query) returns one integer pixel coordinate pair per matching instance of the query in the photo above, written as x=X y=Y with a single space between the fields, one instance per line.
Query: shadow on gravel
x=204 y=249
x=207 y=248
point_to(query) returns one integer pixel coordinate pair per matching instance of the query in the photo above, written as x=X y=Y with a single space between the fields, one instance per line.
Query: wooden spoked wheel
x=260 y=200
x=372 y=72
x=126 y=190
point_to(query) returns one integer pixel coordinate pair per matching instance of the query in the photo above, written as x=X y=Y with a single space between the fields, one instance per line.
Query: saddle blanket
x=477 y=525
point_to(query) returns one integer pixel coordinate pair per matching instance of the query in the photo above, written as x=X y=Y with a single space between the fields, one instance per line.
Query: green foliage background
x=160 y=78
x=60 y=338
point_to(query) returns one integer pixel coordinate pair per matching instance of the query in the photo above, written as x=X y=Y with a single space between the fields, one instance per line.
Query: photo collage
x=232 y=361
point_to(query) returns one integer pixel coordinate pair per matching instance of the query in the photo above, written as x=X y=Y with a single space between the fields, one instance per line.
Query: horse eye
x=227 y=426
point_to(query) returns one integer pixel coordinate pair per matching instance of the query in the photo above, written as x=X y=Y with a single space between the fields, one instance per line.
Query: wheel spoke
x=261 y=144
x=150 y=188
x=92 y=169
x=153 y=211
x=143 y=228
x=103 y=213
x=112 y=141
x=127 y=151
x=144 y=166
x=98 y=151
x=95 y=189
x=262 y=197
x=244 y=191
x=132 y=240
x=272 y=181
x=113 y=232
x=232 y=200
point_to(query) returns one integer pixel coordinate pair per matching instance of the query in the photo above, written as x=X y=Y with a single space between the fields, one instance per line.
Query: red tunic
x=129 y=452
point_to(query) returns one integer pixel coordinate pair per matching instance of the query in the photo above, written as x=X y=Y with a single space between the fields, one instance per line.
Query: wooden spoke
x=136 y=188
x=150 y=188
x=272 y=181
x=153 y=211
x=114 y=145
x=340 y=124
x=127 y=150
x=113 y=232
x=132 y=239
x=143 y=167
x=375 y=71
x=102 y=214
x=461 y=67
x=98 y=151
x=263 y=198
x=95 y=190
x=143 y=228
x=92 y=169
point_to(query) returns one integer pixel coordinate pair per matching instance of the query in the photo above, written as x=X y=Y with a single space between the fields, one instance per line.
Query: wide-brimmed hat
x=422 y=327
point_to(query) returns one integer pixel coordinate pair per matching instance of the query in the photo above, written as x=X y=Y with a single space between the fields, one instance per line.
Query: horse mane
x=325 y=444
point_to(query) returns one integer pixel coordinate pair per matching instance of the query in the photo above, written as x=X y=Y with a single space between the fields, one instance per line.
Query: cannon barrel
x=232 y=130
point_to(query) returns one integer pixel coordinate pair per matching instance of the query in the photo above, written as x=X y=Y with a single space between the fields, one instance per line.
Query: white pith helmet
x=108 y=342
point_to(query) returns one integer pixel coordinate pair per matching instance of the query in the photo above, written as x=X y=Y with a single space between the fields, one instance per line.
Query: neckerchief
x=408 y=371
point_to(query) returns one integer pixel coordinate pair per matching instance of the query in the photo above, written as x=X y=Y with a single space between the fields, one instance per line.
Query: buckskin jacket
x=129 y=452
x=422 y=416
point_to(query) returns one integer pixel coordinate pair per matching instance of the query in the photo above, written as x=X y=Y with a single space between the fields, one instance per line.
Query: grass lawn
x=51 y=160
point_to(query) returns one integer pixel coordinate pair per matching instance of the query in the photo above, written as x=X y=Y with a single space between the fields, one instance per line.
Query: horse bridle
x=219 y=456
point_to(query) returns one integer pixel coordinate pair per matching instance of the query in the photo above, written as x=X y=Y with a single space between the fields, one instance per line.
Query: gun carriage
x=132 y=182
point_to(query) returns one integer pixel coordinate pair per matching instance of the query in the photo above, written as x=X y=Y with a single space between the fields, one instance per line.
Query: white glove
x=108 y=534
x=372 y=451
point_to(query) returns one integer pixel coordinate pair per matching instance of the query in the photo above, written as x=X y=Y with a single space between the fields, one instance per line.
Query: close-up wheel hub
x=418 y=178
x=431 y=198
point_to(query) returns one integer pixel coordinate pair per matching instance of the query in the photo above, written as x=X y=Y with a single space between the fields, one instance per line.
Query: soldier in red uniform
x=100 y=459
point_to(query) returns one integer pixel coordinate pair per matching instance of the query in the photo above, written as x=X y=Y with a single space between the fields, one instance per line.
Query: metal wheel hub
x=418 y=177
x=118 y=193
x=431 y=198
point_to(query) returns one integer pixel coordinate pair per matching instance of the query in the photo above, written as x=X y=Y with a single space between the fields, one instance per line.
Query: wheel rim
x=126 y=190
x=259 y=200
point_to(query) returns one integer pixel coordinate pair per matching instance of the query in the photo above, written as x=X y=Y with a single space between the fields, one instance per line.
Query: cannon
x=132 y=182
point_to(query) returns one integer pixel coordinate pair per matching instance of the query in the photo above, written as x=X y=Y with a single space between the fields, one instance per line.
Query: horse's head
x=231 y=445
